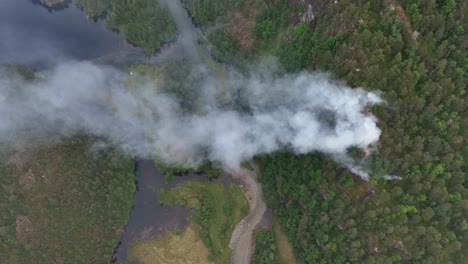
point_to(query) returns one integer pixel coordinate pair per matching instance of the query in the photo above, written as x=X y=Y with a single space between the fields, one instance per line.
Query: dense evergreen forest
x=415 y=52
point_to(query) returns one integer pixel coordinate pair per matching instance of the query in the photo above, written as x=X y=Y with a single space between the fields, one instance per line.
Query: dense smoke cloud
x=303 y=112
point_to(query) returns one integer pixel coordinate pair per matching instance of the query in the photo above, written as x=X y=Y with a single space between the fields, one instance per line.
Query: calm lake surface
x=31 y=34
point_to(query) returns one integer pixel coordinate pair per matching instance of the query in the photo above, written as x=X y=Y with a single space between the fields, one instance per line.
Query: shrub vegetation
x=144 y=22
x=63 y=203
x=415 y=53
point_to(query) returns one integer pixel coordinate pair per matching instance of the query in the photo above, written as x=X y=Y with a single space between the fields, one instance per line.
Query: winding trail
x=241 y=243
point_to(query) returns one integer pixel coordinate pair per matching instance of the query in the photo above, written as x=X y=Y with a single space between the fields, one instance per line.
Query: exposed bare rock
x=24 y=227
x=398 y=244
x=308 y=16
x=27 y=180
x=310 y=11
x=51 y=3
x=18 y=159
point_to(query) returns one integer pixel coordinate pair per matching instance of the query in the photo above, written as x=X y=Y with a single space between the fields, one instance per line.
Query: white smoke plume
x=302 y=112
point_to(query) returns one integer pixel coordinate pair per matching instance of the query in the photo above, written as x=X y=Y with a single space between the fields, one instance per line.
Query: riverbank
x=216 y=208
x=149 y=217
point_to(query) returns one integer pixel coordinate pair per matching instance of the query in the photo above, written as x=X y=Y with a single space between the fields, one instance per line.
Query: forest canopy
x=415 y=52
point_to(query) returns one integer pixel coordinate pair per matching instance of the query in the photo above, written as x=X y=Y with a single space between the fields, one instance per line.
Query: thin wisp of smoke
x=303 y=112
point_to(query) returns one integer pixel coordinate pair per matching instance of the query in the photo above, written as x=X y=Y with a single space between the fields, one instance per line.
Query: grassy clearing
x=178 y=79
x=63 y=203
x=285 y=250
x=216 y=67
x=172 y=248
x=218 y=208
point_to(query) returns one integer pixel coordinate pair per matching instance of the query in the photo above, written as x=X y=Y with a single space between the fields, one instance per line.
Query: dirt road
x=241 y=239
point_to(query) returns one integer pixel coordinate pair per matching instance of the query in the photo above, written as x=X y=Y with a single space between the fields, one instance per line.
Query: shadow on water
x=148 y=217
x=56 y=7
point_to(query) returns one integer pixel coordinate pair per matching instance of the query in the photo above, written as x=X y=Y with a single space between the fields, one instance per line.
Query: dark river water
x=149 y=217
x=33 y=35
